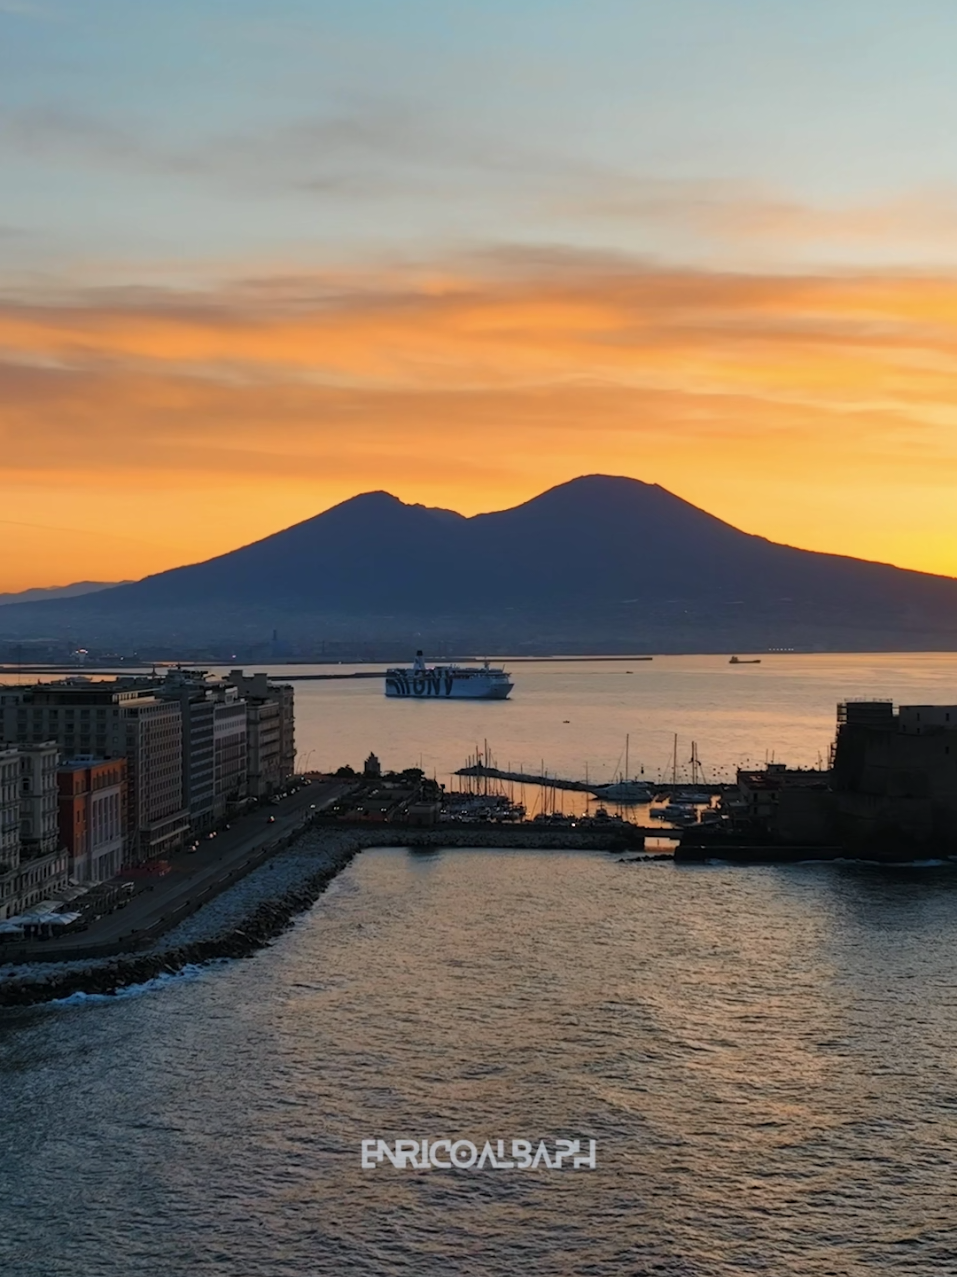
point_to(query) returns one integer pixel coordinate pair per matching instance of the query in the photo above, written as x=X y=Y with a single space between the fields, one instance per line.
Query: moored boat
x=626 y=791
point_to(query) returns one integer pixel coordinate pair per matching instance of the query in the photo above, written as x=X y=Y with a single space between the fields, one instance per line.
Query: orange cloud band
x=818 y=410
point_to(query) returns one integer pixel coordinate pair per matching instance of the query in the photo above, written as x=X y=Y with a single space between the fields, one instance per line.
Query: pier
x=586 y=787
x=196 y=878
x=115 y=955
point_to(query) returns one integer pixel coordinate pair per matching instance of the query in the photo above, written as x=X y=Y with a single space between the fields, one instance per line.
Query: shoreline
x=250 y=913
x=243 y=918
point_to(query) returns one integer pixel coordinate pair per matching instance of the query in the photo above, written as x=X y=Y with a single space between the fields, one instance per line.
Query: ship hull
x=441 y=685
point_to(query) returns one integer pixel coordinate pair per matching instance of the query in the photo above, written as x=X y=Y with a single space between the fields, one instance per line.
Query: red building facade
x=92 y=798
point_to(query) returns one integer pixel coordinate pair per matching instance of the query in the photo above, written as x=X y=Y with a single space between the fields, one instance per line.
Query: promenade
x=194 y=877
x=252 y=888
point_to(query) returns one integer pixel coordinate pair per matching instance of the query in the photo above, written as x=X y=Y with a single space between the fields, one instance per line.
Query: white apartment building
x=109 y=721
x=270 y=725
x=33 y=864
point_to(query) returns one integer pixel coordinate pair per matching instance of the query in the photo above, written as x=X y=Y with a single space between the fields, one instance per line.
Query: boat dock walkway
x=586 y=787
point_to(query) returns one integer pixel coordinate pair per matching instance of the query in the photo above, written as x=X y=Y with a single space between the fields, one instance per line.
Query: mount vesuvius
x=599 y=564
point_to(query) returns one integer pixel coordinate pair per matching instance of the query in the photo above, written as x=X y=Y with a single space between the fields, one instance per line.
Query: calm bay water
x=765 y=1057
x=574 y=715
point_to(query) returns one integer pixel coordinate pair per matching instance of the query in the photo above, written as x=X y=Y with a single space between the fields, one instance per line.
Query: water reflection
x=764 y=1057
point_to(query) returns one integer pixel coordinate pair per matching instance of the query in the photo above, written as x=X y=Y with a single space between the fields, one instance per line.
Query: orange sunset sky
x=248 y=270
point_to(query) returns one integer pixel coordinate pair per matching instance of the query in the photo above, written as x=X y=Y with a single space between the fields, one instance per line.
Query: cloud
x=815 y=408
x=739 y=212
x=24 y=8
x=362 y=152
x=520 y=319
x=49 y=132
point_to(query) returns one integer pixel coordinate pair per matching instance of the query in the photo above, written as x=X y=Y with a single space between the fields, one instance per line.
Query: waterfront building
x=33 y=864
x=214 y=730
x=194 y=747
x=108 y=720
x=153 y=745
x=199 y=768
x=793 y=804
x=39 y=826
x=81 y=716
x=230 y=753
x=270 y=725
x=92 y=810
x=9 y=828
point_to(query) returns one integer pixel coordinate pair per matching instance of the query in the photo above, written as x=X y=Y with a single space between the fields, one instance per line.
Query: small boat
x=690 y=797
x=736 y=660
x=683 y=815
x=625 y=791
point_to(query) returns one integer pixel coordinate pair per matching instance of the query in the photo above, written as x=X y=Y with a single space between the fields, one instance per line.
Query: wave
x=190 y=972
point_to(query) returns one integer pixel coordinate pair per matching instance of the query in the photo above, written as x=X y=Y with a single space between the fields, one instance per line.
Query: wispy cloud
x=480 y=381
x=361 y=150
x=55 y=132
x=738 y=212
x=26 y=9
x=371 y=150
x=517 y=318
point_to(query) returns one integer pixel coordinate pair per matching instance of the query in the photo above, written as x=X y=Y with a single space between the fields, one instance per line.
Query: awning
x=55 y=919
x=41 y=907
x=32 y=919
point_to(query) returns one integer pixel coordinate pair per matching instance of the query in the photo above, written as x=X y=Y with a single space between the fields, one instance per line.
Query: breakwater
x=263 y=924
x=547 y=781
x=523 y=835
x=240 y=938
x=265 y=902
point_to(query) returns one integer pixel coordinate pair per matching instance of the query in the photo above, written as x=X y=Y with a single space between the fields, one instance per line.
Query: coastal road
x=192 y=873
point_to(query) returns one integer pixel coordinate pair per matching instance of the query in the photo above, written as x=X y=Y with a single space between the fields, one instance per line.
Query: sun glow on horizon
x=145 y=432
x=248 y=269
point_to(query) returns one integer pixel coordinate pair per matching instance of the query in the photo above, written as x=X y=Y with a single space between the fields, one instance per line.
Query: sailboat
x=626 y=790
x=691 y=797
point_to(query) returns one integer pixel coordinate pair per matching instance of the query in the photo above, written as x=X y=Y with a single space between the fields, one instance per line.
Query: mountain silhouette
x=56 y=592
x=599 y=563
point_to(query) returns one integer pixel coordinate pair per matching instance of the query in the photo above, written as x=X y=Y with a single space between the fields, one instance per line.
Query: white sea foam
x=190 y=972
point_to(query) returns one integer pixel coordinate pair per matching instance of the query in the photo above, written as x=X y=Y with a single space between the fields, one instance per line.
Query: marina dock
x=581 y=786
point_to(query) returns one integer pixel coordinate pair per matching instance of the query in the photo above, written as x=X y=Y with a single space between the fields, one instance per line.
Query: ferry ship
x=448 y=682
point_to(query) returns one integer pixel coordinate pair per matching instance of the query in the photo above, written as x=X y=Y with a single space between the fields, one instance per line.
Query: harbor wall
x=106 y=969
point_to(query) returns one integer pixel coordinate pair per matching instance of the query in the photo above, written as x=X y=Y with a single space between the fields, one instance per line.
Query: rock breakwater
x=238 y=939
x=254 y=911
